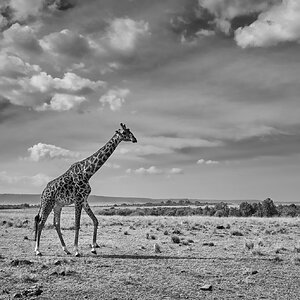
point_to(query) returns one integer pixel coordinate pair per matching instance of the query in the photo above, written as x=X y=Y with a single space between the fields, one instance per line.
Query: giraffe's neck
x=94 y=162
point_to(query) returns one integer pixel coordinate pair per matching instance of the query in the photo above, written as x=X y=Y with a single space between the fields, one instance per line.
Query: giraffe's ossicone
x=73 y=187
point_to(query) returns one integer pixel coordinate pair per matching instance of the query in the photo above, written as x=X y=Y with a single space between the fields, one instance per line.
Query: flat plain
x=151 y=258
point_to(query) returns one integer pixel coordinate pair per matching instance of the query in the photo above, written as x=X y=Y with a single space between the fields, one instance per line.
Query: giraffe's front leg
x=78 y=208
x=56 y=223
x=95 y=221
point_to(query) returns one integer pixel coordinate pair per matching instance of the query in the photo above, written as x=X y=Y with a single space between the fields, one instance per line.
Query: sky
x=210 y=89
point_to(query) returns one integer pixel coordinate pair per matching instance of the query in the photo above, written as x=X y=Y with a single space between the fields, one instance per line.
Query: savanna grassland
x=152 y=258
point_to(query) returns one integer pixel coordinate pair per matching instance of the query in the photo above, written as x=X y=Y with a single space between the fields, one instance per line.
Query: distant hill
x=34 y=199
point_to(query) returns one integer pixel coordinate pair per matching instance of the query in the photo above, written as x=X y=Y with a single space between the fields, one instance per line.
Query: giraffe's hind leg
x=56 y=223
x=45 y=211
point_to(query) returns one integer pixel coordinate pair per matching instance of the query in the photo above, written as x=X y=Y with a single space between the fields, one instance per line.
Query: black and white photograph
x=150 y=149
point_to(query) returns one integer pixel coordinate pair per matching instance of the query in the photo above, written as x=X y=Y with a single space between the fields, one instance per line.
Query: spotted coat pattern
x=73 y=187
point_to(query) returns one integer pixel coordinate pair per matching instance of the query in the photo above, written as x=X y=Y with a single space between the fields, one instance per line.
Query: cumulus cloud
x=22 y=38
x=226 y=13
x=115 y=98
x=71 y=82
x=25 y=84
x=62 y=102
x=13 y=66
x=66 y=42
x=124 y=34
x=42 y=151
x=281 y=23
x=207 y=162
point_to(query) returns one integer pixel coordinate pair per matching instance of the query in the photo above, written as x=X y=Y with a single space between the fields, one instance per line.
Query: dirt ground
x=195 y=258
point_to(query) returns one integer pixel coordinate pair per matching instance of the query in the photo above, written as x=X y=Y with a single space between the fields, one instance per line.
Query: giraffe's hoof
x=97 y=246
x=66 y=250
x=38 y=253
x=94 y=251
x=77 y=254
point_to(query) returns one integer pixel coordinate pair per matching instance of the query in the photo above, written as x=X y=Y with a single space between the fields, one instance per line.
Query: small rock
x=26 y=237
x=220 y=227
x=177 y=231
x=57 y=263
x=175 y=239
x=157 y=248
x=166 y=232
x=191 y=241
x=206 y=287
x=126 y=233
x=147 y=236
x=249 y=245
x=20 y=262
x=153 y=237
x=237 y=233
x=186 y=243
x=210 y=244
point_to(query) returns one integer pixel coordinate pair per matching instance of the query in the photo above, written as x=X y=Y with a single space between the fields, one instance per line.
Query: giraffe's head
x=126 y=134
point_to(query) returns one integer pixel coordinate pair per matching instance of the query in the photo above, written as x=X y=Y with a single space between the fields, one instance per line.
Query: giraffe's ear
x=123 y=126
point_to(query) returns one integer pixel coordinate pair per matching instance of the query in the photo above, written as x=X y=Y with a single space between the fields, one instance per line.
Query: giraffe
x=73 y=187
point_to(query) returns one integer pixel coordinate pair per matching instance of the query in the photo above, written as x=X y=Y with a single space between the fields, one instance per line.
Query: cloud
x=66 y=43
x=22 y=38
x=164 y=145
x=153 y=170
x=26 y=85
x=207 y=162
x=228 y=13
x=115 y=98
x=176 y=171
x=70 y=82
x=64 y=4
x=281 y=23
x=62 y=102
x=13 y=66
x=42 y=151
x=39 y=179
x=124 y=34
x=144 y=171
x=24 y=9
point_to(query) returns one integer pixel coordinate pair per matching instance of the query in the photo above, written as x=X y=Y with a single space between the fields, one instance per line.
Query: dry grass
x=145 y=263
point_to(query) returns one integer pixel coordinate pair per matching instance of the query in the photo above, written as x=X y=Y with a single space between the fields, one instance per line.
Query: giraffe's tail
x=36 y=224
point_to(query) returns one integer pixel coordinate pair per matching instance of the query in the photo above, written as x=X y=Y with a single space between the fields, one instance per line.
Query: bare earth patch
x=209 y=260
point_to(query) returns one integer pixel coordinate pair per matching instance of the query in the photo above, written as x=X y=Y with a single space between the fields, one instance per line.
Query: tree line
x=266 y=208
